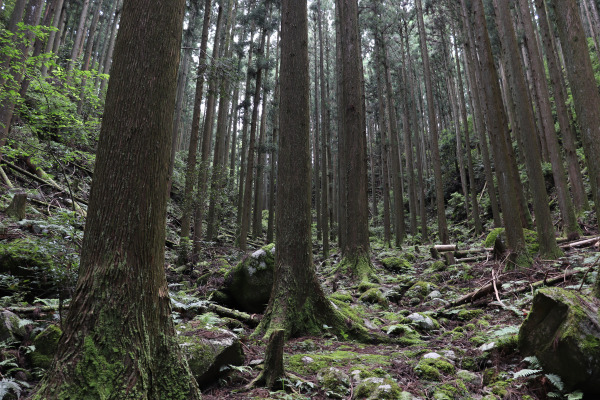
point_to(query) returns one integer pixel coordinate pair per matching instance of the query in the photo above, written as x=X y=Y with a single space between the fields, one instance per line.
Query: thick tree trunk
x=585 y=96
x=353 y=186
x=119 y=338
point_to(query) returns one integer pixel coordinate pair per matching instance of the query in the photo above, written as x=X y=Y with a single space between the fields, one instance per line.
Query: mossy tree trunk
x=297 y=304
x=118 y=340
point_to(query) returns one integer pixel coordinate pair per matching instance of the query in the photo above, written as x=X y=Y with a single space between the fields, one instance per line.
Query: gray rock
x=10 y=326
x=249 y=283
x=421 y=321
x=208 y=352
x=468 y=376
x=432 y=356
x=487 y=346
x=436 y=294
x=563 y=332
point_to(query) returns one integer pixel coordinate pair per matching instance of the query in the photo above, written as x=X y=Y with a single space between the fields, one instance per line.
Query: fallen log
x=42 y=181
x=581 y=243
x=489 y=289
x=470 y=252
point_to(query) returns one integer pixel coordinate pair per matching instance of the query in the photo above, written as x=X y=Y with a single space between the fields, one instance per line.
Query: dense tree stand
x=119 y=338
x=297 y=304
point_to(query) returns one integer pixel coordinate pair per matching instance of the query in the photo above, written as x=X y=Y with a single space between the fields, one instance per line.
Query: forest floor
x=452 y=350
x=477 y=339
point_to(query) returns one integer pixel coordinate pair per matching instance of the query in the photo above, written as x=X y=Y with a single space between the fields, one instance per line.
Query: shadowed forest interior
x=299 y=199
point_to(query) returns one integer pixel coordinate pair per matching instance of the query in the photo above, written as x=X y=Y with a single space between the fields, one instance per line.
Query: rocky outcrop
x=249 y=283
x=563 y=332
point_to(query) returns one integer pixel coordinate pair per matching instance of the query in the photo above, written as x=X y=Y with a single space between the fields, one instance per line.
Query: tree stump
x=16 y=209
x=273 y=372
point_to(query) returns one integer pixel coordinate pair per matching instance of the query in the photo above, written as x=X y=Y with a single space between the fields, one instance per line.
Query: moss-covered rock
x=46 y=343
x=563 y=332
x=306 y=364
x=397 y=264
x=467 y=315
x=531 y=239
x=249 y=283
x=334 y=381
x=403 y=334
x=374 y=296
x=431 y=369
x=377 y=389
x=455 y=389
x=208 y=351
x=420 y=290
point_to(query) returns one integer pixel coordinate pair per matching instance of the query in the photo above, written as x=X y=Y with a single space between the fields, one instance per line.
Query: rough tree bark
x=119 y=337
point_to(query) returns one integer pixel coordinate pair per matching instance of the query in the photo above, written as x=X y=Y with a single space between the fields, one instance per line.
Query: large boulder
x=209 y=352
x=563 y=332
x=249 y=283
x=11 y=327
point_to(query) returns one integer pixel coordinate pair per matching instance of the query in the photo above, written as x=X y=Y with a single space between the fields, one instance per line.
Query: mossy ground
x=388 y=297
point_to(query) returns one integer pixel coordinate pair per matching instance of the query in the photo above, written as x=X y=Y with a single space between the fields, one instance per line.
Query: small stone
x=432 y=356
x=487 y=346
x=307 y=360
x=421 y=321
x=436 y=294
x=449 y=354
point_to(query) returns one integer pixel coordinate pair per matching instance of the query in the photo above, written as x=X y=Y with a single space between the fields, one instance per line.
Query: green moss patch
x=305 y=364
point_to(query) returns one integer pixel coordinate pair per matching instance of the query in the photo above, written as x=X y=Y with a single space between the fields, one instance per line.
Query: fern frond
x=525 y=373
x=577 y=395
x=533 y=362
x=9 y=384
x=556 y=381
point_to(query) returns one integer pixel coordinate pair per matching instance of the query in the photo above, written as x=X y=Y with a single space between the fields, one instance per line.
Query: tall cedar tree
x=119 y=339
x=353 y=162
x=585 y=96
x=526 y=129
x=297 y=304
x=497 y=129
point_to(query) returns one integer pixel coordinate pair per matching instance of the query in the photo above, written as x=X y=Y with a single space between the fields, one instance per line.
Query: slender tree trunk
x=316 y=142
x=190 y=171
x=497 y=125
x=556 y=79
x=396 y=169
x=465 y=123
x=298 y=304
x=75 y=52
x=524 y=113
x=433 y=129
x=217 y=182
x=119 y=338
x=182 y=80
x=273 y=153
x=570 y=226
x=246 y=206
x=207 y=133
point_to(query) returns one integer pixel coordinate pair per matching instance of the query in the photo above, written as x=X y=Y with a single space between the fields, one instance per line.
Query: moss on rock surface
x=374 y=296
x=304 y=364
x=397 y=264
x=377 y=389
x=249 y=283
x=563 y=332
x=46 y=343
